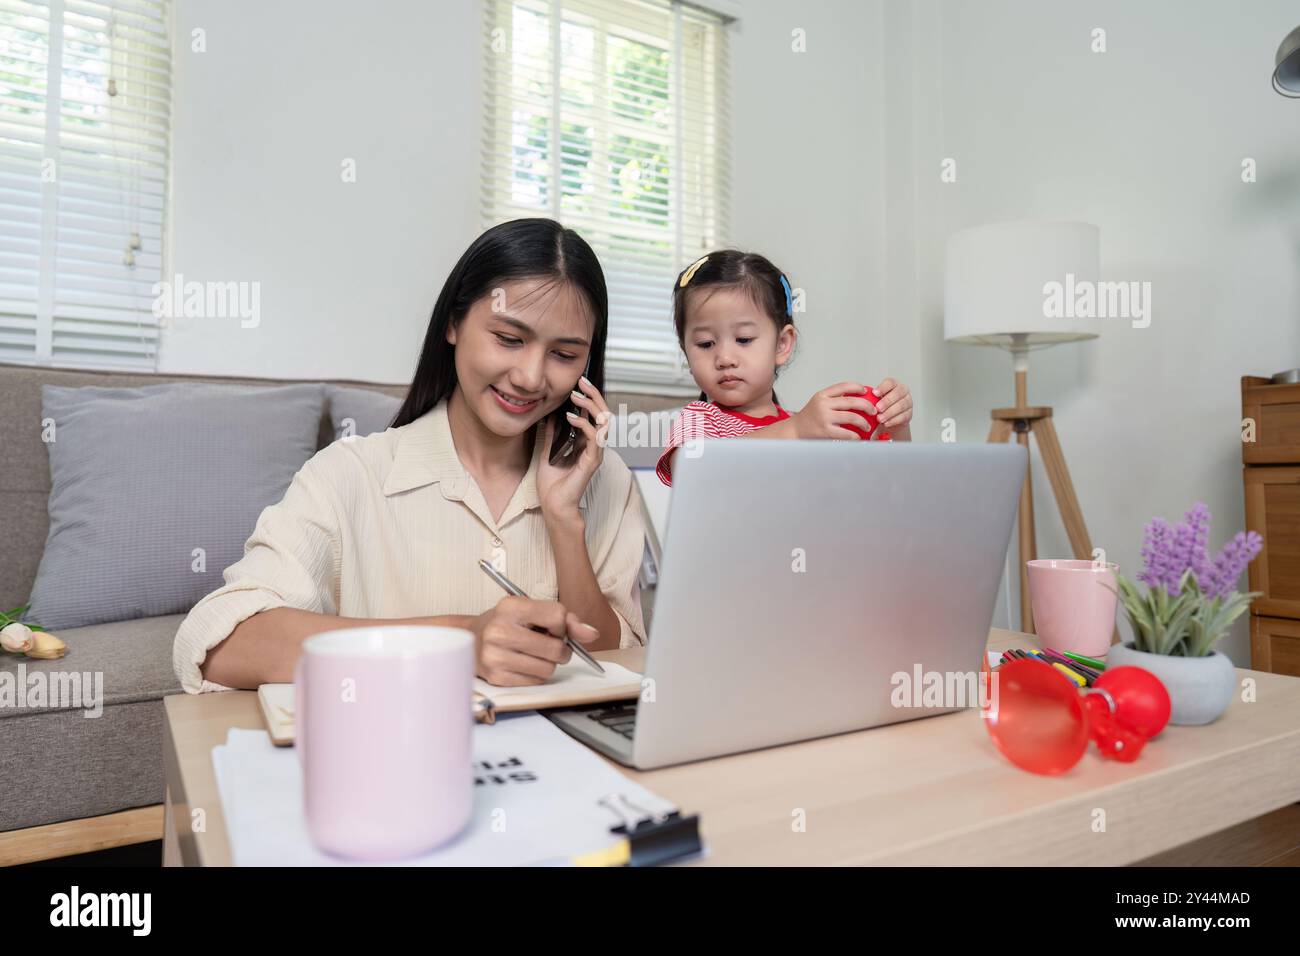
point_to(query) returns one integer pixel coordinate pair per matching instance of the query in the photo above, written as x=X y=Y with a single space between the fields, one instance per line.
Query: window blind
x=85 y=97
x=611 y=117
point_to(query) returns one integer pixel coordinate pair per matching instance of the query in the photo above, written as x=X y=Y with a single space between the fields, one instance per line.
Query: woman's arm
x=579 y=590
x=250 y=631
x=287 y=569
x=560 y=491
x=516 y=641
x=264 y=648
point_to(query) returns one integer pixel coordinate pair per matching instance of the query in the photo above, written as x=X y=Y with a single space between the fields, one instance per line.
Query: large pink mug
x=383 y=730
x=1074 y=604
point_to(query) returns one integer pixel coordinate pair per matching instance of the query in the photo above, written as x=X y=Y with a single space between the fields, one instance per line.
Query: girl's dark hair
x=519 y=249
x=732 y=268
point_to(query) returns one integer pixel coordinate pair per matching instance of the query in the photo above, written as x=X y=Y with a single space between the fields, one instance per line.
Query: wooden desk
x=930 y=791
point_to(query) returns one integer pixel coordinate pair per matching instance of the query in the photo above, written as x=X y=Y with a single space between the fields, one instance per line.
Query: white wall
x=807 y=172
x=1145 y=140
x=913 y=280
x=349 y=271
x=263 y=121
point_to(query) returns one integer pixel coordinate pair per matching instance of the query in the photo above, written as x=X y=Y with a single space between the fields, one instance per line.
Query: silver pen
x=512 y=588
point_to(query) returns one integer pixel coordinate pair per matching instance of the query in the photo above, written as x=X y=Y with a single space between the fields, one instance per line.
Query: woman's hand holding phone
x=560 y=486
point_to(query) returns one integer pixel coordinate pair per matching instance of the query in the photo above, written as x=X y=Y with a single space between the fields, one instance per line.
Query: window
x=85 y=92
x=611 y=117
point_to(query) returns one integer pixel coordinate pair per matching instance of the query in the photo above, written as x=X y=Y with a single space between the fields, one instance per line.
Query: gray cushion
x=25 y=477
x=360 y=411
x=57 y=763
x=141 y=478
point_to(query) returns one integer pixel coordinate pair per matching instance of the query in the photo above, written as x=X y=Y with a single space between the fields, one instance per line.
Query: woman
x=389 y=528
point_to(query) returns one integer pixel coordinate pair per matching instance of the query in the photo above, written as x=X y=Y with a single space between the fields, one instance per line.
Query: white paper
x=545 y=819
x=569 y=680
x=280 y=698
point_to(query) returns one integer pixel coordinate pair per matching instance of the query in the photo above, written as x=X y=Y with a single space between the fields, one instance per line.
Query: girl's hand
x=560 y=487
x=894 y=409
x=828 y=411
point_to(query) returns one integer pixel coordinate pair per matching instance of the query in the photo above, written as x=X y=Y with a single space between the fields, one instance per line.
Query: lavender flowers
x=1168 y=552
x=1191 y=599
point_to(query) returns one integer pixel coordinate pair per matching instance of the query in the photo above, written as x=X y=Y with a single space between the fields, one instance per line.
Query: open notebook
x=572 y=685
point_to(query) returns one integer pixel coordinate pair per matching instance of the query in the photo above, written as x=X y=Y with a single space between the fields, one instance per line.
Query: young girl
x=735 y=321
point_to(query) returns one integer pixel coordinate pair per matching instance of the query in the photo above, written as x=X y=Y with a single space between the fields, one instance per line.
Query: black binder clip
x=653 y=838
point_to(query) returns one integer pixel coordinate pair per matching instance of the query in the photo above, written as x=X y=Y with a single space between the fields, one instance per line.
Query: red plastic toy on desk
x=1041 y=722
x=873 y=422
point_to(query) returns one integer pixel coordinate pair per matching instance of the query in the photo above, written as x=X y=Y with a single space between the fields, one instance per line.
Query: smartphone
x=569 y=440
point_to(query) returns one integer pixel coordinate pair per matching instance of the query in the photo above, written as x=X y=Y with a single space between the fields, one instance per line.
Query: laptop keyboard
x=620 y=718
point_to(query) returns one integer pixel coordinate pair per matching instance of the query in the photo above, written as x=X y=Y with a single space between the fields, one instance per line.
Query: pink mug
x=1074 y=604
x=383 y=731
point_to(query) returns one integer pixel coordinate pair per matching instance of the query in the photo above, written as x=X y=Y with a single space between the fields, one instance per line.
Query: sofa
x=73 y=784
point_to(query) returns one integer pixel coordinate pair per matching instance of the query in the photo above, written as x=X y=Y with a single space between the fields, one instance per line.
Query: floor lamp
x=1013 y=285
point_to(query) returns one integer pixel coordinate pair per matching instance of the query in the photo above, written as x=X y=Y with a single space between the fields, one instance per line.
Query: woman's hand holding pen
x=520 y=641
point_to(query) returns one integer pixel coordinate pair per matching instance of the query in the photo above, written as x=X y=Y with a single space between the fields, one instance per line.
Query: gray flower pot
x=1200 y=688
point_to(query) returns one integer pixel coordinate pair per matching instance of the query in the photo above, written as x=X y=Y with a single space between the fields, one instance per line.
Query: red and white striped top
x=706 y=420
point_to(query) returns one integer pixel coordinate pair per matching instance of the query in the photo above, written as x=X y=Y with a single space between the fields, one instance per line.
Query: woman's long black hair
x=519 y=249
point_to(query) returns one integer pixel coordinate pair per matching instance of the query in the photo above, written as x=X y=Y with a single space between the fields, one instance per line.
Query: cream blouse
x=392 y=525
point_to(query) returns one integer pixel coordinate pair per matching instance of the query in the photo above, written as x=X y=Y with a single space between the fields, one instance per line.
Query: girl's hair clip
x=789 y=299
x=690 y=271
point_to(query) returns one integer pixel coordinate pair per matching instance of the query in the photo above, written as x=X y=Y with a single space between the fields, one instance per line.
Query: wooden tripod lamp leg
x=1028 y=546
x=1059 y=475
x=1022 y=420
x=998 y=433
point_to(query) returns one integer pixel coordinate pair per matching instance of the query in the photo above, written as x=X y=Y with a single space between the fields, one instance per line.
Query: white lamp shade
x=997 y=276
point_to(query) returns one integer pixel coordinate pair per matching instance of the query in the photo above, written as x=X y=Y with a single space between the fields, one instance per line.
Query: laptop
x=806 y=588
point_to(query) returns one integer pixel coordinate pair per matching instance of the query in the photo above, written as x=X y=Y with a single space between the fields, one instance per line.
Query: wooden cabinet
x=1275 y=645
x=1270 y=450
x=1273 y=509
x=1275 y=410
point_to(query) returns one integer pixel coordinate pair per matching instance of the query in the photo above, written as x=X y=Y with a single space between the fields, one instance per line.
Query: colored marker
x=1090 y=661
x=1075 y=666
x=1075 y=676
x=1079 y=679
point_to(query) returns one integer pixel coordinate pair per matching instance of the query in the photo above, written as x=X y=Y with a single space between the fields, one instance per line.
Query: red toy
x=1041 y=722
x=1139 y=706
x=872 y=421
